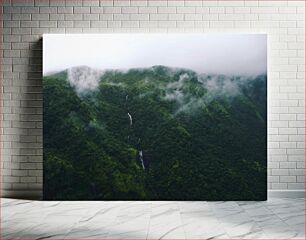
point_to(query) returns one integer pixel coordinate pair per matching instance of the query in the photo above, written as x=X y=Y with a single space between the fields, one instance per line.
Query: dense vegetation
x=155 y=134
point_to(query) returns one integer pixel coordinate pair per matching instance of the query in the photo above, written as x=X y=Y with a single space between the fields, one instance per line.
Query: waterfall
x=131 y=119
x=140 y=153
x=141 y=158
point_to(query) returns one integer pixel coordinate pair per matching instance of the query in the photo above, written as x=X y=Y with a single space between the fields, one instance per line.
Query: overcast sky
x=205 y=53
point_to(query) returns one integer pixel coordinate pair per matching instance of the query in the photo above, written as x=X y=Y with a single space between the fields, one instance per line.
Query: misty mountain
x=154 y=133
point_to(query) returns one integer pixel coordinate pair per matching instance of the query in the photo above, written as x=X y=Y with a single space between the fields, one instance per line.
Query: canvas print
x=155 y=116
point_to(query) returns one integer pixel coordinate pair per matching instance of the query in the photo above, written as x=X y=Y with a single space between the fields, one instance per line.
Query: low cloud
x=214 y=86
x=84 y=78
x=221 y=85
x=180 y=91
x=174 y=89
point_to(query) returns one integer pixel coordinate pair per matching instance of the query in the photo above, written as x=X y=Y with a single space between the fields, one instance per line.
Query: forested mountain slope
x=157 y=133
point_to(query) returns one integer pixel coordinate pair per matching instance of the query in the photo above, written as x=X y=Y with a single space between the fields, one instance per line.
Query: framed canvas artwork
x=155 y=116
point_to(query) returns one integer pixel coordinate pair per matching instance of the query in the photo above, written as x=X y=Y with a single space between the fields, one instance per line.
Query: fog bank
x=230 y=54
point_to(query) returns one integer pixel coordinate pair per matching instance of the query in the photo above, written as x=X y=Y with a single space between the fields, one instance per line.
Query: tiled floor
x=273 y=219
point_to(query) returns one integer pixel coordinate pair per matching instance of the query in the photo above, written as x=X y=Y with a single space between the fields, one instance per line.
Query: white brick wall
x=24 y=22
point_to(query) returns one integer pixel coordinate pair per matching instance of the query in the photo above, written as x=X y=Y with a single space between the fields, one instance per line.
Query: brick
x=190 y=17
x=222 y=24
x=210 y=17
x=74 y=16
x=11 y=38
x=57 y=17
x=121 y=17
x=98 y=24
x=96 y=10
x=40 y=17
x=47 y=24
x=11 y=179
x=287 y=117
x=296 y=172
x=289 y=103
x=138 y=3
x=140 y=17
x=287 y=165
x=167 y=24
x=91 y=16
x=39 y=31
x=166 y=10
x=186 y=9
x=21 y=31
x=217 y=10
x=300 y=164
x=195 y=3
x=273 y=179
x=268 y=10
x=81 y=9
x=11 y=24
x=185 y=24
x=147 y=9
x=161 y=17
x=30 y=10
x=64 y=24
x=130 y=24
x=288 y=145
x=104 y=17
x=288 y=179
x=36 y=173
x=300 y=179
x=176 y=3
x=91 y=3
x=297 y=124
x=296 y=158
x=129 y=10
x=148 y=24
x=202 y=10
x=300 y=116
x=297 y=138
x=21 y=16
x=157 y=3
x=26 y=3
x=62 y=10
x=82 y=24
x=176 y=17
x=56 y=30
x=20 y=46
x=279 y=186
x=74 y=3
x=11 y=9
x=28 y=179
x=296 y=186
x=19 y=173
x=230 y=3
x=291 y=10
x=48 y=9
x=111 y=10
x=122 y=3
x=242 y=10
x=60 y=3
x=229 y=17
x=272 y=165
x=287 y=131
x=40 y=3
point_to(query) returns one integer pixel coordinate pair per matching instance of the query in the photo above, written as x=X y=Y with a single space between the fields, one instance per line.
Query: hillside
x=156 y=133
